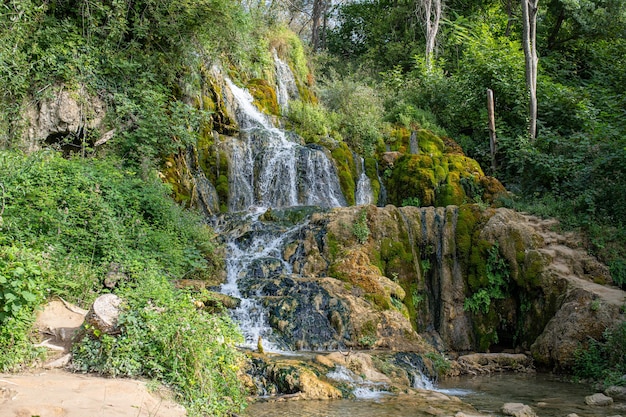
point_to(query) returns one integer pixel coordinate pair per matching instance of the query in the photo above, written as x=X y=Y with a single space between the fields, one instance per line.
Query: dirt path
x=52 y=392
x=57 y=393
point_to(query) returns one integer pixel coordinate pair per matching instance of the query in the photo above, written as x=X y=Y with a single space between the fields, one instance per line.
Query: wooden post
x=492 y=128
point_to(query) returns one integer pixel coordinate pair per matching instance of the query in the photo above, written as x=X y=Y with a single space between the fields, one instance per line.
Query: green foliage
x=164 y=337
x=313 y=122
x=618 y=272
x=360 y=229
x=65 y=221
x=603 y=360
x=20 y=282
x=440 y=362
x=360 y=112
x=497 y=281
x=411 y=201
x=79 y=44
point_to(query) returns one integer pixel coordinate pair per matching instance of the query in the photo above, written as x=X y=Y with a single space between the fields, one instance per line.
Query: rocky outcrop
x=421 y=265
x=486 y=363
x=599 y=400
x=103 y=315
x=62 y=113
x=617 y=393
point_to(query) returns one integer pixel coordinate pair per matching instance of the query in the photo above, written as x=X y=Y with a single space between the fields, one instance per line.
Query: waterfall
x=268 y=168
x=421 y=381
x=286 y=84
x=363 y=193
x=254 y=250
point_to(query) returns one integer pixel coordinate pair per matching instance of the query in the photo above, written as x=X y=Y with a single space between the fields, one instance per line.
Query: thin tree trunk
x=318 y=7
x=529 y=41
x=429 y=13
x=492 y=128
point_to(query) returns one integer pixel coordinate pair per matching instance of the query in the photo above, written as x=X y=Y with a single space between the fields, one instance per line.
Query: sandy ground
x=50 y=391
x=56 y=393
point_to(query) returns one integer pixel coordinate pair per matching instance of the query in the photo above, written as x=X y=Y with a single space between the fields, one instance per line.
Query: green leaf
x=29 y=296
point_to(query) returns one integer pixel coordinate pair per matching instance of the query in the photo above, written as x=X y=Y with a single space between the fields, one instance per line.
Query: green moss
x=380 y=301
x=448 y=194
x=221 y=187
x=429 y=143
x=398 y=140
x=264 y=96
x=333 y=246
x=371 y=170
x=532 y=269
x=346 y=171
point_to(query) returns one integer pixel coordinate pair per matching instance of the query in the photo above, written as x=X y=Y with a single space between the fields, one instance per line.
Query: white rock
x=104 y=313
x=518 y=410
x=598 y=399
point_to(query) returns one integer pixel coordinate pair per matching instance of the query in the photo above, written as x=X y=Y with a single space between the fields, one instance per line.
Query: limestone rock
x=481 y=363
x=62 y=112
x=598 y=399
x=312 y=388
x=617 y=393
x=518 y=410
x=573 y=324
x=104 y=313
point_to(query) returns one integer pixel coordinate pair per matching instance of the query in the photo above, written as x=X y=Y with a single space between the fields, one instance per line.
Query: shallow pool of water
x=548 y=395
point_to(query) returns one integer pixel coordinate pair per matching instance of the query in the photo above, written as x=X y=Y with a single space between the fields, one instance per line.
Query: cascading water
x=363 y=193
x=286 y=84
x=268 y=168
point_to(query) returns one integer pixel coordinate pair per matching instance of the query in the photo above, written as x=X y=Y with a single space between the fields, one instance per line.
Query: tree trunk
x=429 y=13
x=529 y=41
x=318 y=9
x=492 y=128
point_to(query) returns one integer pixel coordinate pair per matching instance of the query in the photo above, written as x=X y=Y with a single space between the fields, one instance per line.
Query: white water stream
x=268 y=169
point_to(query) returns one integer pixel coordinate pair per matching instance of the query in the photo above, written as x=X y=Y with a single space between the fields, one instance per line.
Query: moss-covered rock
x=346 y=169
x=438 y=174
x=264 y=96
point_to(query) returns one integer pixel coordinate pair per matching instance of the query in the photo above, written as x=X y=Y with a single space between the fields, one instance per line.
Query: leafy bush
x=313 y=122
x=163 y=336
x=604 y=360
x=360 y=110
x=65 y=221
x=497 y=278
x=360 y=229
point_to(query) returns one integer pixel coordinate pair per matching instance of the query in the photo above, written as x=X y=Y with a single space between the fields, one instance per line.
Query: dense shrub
x=604 y=360
x=64 y=223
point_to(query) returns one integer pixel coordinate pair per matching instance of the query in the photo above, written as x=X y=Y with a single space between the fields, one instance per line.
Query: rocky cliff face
x=418 y=267
x=63 y=117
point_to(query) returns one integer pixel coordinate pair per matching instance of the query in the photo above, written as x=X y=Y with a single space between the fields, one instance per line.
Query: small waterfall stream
x=363 y=193
x=286 y=84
